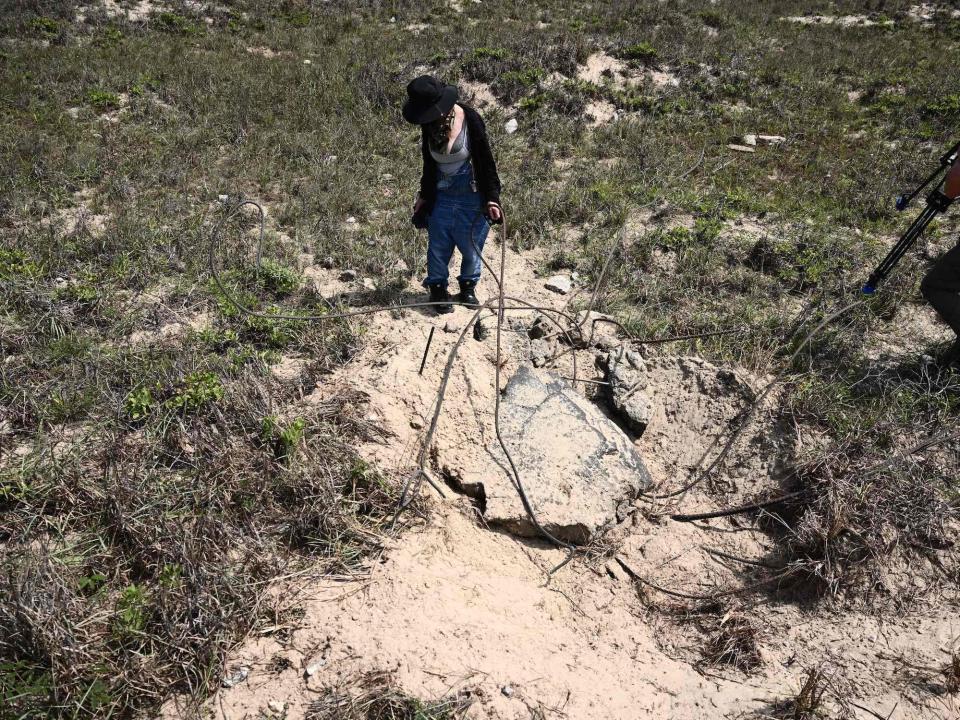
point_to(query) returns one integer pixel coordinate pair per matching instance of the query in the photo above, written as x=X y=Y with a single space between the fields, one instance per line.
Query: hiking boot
x=439 y=294
x=467 y=296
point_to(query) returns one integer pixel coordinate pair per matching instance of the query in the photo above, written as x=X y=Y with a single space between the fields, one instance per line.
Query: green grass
x=177 y=428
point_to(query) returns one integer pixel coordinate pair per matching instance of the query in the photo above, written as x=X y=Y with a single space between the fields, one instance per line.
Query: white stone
x=511 y=126
x=276 y=706
x=771 y=139
x=559 y=284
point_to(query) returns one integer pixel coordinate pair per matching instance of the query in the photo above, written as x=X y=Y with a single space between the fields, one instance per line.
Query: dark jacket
x=481 y=156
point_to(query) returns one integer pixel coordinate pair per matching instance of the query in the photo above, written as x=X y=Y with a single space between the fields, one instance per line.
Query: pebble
x=369 y=284
x=771 y=139
x=749 y=139
x=511 y=126
x=276 y=706
x=238 y=677
x=507 y=690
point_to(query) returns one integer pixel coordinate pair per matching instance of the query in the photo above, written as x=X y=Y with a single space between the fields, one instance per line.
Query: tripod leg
x=904 y=243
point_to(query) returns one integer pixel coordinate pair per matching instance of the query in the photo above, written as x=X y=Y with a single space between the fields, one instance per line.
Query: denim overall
x=454 y=212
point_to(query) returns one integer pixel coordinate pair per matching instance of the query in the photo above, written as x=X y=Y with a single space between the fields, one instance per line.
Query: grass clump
x=175 y=23
x=282 y=438
x=197 y=390
x=102 y=99
x=139 y=404
x=374 y=696
x=642 y=52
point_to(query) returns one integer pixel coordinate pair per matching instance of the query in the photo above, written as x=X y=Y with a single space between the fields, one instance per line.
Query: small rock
x=401 y=267
x=348 y=275
x=369 y=284
x=627 y=375
x=750 y=140
x=235 y=678
x=597 y=332
x=559 y=284
x=327 y=263
x=541 y=351
x=511 y=126
x=741 y=148
x=313 y=668
x=540 y=328
x=352 y=220
x=450 y=327
x=276 y=706
x=306 y=62
x=507 y=690
x=416 y=423
x=480 y=332
x=771 y=139
x=223 y=198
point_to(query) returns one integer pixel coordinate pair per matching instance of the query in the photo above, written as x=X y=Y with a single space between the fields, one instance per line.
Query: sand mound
x=694 y=409
x=453 y=608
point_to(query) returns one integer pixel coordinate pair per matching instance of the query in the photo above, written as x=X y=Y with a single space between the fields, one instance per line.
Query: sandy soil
x=454 y=606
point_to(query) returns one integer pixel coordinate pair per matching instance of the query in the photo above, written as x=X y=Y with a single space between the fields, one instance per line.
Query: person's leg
x=440 y=231
x=941 y=288
x=470 y=238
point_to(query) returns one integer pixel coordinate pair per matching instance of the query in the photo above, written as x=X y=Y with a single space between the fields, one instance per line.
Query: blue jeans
x=454 y=214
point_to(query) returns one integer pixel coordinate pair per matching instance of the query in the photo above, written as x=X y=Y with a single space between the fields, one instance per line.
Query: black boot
x=438 y=294
x=467 y=296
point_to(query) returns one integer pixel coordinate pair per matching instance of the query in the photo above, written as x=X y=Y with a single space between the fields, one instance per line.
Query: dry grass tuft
x=855 y=518
x=732 y=641
x=374 y=696
x=951 y=674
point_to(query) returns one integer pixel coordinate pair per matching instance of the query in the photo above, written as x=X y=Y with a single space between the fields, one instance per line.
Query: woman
x=459 y=189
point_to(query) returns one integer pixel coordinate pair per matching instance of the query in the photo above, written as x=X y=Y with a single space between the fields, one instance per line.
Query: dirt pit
x=457 y=606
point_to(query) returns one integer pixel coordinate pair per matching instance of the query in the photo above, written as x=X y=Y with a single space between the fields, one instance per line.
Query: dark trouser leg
x=941 y=288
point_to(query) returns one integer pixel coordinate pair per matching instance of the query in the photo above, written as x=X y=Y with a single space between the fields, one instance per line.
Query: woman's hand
x=494 y=212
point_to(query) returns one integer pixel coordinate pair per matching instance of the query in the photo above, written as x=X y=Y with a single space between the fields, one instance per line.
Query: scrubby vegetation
x=149 y=485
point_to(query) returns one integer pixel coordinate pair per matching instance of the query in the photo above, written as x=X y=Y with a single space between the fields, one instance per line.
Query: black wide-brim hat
x=428 y=99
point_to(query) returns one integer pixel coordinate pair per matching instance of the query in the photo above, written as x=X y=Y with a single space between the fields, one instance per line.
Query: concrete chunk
x=576 y=465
